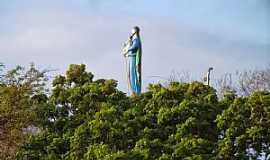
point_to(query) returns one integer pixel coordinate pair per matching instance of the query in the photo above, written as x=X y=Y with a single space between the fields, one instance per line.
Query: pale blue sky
x=181 y=35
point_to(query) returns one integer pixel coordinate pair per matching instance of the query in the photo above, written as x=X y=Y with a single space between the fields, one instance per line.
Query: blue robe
x=134 y=57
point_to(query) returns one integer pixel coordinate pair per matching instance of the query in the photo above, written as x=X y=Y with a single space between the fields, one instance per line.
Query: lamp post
x=207 y=78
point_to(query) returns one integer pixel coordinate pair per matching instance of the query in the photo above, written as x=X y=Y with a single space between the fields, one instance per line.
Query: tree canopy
x=84 y=118
x=18 y=89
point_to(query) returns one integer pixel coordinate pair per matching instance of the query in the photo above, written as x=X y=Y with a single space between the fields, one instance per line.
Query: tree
x=256 y=80
x=1 y=74
x=244 y=83
x=17 y=118
x=245 y=127
x=91 y=119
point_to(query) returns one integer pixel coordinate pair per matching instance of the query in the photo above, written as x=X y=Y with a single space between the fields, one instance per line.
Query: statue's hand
x=126 y=47
x=125 y=54
x=125 y=51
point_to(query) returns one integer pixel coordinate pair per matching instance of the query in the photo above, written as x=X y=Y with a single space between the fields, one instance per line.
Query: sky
x=177 y=35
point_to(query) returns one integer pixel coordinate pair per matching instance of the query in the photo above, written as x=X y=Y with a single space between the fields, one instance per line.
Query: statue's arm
x=126 y=46
x=134 y=46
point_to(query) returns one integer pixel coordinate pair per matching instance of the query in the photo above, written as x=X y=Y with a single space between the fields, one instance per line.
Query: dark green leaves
x=91 y=119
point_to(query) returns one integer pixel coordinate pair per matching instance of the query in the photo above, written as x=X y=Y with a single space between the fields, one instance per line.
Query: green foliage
x=91 y=119
x=245 y=126
x=18 y=89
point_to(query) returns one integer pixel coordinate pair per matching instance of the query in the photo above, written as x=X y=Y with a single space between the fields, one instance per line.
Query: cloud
x=58 y=36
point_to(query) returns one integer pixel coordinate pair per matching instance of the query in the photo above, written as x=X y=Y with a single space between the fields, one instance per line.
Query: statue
x=133 y=52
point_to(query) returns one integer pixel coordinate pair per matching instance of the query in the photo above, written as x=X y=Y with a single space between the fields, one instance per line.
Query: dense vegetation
x=83 y=118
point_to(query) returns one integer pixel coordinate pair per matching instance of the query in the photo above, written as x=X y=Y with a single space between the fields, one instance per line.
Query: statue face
x=133 y=31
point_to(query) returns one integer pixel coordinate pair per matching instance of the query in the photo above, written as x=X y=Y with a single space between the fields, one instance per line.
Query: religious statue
x=133 y=52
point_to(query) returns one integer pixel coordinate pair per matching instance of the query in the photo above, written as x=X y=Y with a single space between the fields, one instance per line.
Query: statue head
x=135 y=30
